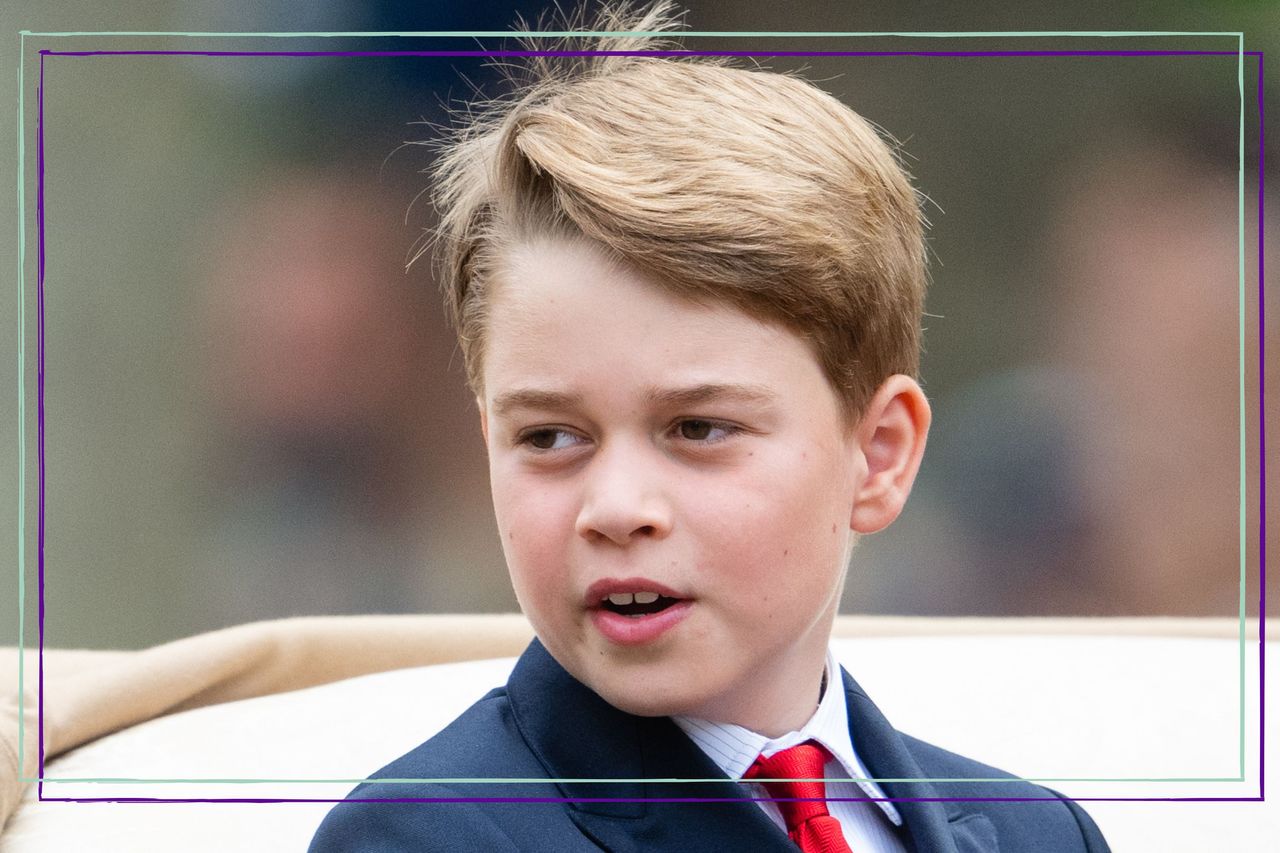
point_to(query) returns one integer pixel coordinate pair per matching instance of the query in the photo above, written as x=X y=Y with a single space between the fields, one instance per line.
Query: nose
x=623 y=498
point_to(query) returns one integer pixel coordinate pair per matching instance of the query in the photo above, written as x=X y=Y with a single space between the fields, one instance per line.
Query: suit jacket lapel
x=932 y=826
x=577 y=735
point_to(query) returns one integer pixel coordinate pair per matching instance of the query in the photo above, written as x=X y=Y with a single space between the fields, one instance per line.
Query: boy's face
x=644 y=445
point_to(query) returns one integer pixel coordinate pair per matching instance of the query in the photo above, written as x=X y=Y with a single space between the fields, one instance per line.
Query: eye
x=547 y=438
x=704 y=431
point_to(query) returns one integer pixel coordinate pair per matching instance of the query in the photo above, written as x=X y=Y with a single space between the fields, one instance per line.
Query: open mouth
x=636 y=604
x=635 y=611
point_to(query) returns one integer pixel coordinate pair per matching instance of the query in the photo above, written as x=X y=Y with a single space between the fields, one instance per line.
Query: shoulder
x=484 y=742
x=383 y=827
x=1029 y=816
x=419 y=801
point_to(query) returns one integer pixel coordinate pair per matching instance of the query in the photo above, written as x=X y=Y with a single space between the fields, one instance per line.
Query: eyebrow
x=710 y=391
x=705 y=392
x=534 y=398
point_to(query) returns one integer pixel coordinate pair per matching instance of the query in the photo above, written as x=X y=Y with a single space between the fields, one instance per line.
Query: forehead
x=564 y=317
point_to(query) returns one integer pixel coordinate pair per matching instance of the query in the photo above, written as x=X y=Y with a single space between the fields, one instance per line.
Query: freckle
x=786 y=551
x=833 y=528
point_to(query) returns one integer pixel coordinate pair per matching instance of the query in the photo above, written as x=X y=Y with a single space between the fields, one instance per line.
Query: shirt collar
x=734 y=748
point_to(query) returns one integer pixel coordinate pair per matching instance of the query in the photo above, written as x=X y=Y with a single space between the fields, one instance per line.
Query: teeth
x=620 y=599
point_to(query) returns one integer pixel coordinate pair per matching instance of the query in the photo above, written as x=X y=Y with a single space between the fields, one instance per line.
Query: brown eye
x=548 y=438
x=696 y=430
x=543 y=439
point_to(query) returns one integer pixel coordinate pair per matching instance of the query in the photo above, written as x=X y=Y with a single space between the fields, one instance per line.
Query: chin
x=645 y=682
x=644 y=700
x=642 y=704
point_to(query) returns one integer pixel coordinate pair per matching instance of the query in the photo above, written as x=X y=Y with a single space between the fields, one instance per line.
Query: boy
x=688 y=297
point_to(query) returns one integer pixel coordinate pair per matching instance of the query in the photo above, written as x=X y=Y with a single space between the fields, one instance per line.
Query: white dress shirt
x=868 y=827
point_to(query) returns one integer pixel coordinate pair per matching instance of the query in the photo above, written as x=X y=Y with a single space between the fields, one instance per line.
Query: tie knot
x=796 y=770
x=801 y=795
x=803 y=761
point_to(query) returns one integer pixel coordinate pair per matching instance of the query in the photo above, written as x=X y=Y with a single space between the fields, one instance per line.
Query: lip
x=638 y=630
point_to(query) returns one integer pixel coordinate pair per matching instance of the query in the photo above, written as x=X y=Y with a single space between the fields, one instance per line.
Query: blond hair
x=739 y=186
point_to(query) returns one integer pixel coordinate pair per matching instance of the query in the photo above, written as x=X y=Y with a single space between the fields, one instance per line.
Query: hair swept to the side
x=591 y=46
x=724 y=184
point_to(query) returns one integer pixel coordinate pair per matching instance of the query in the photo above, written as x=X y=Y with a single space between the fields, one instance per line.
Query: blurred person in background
x=335 y=486
x=1102 y=476
x=1146 y=260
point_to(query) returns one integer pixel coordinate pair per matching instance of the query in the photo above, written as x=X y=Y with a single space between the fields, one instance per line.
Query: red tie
x=802 y=803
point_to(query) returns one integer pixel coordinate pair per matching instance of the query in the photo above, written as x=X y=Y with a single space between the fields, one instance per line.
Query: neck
x=789 y=700
x=802 y=710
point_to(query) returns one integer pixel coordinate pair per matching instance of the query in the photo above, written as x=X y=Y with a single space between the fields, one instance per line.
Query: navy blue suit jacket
x=546 y=727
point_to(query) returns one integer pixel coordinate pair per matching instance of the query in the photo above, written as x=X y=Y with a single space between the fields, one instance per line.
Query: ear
x=891 y=437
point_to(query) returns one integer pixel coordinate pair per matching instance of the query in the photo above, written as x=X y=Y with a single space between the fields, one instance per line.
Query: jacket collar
x=933 y=826
x=576 y=735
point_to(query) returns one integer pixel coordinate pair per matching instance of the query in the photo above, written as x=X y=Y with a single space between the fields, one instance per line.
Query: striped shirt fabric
x=868 y=827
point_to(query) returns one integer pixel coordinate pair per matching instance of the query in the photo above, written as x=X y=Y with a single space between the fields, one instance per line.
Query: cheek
x=809 y=489
x=536 y=525
x=796 y=519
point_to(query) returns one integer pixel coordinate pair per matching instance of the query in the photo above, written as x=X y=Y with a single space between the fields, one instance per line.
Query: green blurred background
x=252 y=411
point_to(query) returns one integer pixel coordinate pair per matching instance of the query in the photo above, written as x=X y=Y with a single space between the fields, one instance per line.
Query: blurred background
x=253 y=411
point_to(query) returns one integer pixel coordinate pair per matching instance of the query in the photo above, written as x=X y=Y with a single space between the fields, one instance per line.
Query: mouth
x=635 y=611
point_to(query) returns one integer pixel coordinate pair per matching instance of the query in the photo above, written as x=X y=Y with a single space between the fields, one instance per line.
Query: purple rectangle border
x=1262 y=499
